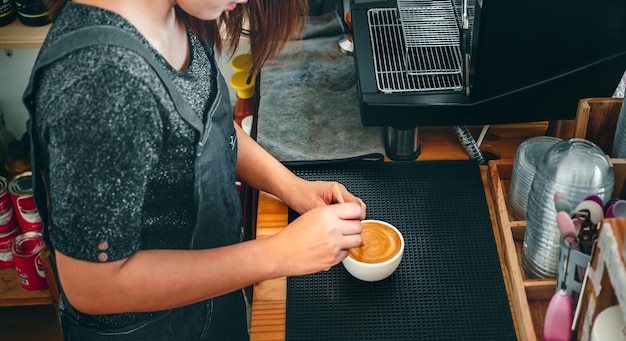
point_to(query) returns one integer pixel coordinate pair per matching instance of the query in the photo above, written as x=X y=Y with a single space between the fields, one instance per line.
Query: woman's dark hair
x=272 y=24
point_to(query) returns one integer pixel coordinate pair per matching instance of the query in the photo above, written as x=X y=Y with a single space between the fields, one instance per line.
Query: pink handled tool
x=567 y=227
x=559 y=316
x=560 y=313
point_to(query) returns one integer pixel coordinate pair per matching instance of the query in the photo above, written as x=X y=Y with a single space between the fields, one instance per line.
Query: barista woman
x=144 y=216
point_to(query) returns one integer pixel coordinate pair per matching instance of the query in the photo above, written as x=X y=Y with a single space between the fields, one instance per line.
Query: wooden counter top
x=12 y=293
x=18 y=36
x=437 y=143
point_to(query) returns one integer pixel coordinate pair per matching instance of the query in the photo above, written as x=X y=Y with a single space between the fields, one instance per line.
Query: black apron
x=219 y=216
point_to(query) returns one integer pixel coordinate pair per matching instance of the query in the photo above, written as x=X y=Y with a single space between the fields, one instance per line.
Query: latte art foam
x=380 y=243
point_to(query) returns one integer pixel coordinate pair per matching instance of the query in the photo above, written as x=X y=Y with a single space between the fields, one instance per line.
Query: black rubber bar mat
x=449 y=285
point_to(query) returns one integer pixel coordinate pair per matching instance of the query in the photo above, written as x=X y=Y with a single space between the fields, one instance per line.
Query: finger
x=337 y=196
x=351 y=241
x=351 y=227
x=349 y=197
x=347 y=211
x=363 y=209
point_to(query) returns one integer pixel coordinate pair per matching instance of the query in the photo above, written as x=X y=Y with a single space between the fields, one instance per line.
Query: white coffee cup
x=379 y=255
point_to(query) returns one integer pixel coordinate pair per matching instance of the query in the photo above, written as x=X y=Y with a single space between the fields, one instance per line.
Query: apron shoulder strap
x=107 y=35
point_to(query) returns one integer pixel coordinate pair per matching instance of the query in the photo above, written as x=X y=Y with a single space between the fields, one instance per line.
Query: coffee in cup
x=380 y=253
x=380 y=243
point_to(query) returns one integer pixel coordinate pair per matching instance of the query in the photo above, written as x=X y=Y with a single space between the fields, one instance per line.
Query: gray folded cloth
x=308 y=102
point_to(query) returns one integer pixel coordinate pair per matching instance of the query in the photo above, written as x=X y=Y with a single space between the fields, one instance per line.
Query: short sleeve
x=101 y=132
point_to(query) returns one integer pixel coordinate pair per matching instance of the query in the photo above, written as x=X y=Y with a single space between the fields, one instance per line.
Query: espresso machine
x=479 y=62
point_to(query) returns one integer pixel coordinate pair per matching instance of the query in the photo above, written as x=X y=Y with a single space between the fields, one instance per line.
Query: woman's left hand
x=307 y=195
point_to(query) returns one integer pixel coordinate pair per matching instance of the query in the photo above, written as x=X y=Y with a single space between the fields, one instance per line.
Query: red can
x=21 y=189
x=6 y=259
x=6 y=238
x=7 y=221
x=20 y=185
x=27 y=216
x=27 y=249
x=5 y=197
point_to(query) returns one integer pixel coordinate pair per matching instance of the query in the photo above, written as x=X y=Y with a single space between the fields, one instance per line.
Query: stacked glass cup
x=528 y=155
x=572 y=169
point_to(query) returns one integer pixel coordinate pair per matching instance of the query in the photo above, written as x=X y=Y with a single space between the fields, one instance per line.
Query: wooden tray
x=530 y=297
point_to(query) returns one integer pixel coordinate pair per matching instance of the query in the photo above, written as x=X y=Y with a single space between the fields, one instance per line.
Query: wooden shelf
x=12 y=293
x=529 y=296
x=18 y=36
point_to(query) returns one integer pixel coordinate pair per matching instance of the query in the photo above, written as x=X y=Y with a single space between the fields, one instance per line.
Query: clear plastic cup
x=574 y=169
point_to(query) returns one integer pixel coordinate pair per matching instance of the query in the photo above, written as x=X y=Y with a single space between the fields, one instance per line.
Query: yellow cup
x=242 y=62
x=239 y=82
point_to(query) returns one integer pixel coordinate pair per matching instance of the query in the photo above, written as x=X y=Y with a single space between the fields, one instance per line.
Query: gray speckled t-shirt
x=119 y=157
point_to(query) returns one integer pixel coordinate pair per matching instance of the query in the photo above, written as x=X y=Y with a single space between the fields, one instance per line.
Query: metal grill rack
x=417 y=45
x=428 y=23
x=427 y=69
x=470 y=6
x=431 y=35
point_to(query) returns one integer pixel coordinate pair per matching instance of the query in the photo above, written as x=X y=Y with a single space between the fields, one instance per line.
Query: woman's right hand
x=318 y=239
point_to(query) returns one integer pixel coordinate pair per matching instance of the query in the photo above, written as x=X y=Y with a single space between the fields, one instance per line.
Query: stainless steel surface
x=428 y=23
x=466 y=45
x=346 y=46
x=417 y=46
x=465 y=11
x=391 y=64
x=431 y=38
x=402 y=144
x=431 y=31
